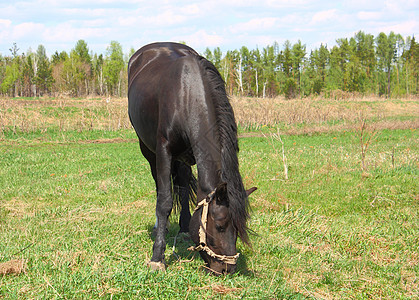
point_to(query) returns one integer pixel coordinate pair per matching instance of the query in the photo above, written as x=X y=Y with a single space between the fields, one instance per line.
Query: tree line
x=77 y=73
x=385 y=65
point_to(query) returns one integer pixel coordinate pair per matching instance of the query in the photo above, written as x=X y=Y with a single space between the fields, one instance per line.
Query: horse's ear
x=251 y=190
x=221 y=194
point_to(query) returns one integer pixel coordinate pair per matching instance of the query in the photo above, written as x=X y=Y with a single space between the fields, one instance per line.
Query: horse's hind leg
x=160 y=169
x=151 y=158
x=164 y=202
x=181 y=178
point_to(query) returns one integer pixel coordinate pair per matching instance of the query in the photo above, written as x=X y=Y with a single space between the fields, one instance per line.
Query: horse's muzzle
x=218 y=268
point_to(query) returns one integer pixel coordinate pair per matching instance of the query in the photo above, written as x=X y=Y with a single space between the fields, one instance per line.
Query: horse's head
x=214 y=231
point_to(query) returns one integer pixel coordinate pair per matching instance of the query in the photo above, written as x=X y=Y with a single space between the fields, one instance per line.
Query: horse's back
x=154 y=81
x=146 y=57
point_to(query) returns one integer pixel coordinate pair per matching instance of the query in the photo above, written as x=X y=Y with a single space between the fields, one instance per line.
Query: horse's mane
x=227 y=134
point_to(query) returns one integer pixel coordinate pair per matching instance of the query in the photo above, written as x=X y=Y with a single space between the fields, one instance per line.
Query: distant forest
x=385 y=65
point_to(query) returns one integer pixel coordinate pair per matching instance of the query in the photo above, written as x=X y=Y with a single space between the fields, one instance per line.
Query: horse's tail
x=184 y=186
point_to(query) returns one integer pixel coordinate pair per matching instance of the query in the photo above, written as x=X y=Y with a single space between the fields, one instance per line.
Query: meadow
x=77 y=203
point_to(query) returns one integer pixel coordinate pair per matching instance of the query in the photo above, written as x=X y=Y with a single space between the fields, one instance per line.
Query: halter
x=202 y=246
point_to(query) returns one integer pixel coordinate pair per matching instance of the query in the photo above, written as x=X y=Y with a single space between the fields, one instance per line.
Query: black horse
x=179 y=108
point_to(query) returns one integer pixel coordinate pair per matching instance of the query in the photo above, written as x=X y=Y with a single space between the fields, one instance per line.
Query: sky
x=228 y=24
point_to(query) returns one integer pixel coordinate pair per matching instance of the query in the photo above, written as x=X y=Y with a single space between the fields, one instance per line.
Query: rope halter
x=202 y=246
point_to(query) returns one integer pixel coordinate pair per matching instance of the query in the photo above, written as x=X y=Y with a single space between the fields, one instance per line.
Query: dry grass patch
x=111 y=113
x=15 y=266
x=17 y=208
x=139 y=205
x=257 y=112
x=65 y=114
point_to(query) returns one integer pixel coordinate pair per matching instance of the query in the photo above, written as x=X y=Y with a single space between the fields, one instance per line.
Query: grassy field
x=77 y=203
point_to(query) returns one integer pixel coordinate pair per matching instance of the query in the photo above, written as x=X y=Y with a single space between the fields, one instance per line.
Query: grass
x=78 y=206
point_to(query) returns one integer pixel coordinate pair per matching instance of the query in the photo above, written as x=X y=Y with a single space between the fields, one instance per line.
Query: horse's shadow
x=179 y=244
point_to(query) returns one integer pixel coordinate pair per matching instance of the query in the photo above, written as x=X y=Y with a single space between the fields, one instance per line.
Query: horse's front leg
x=164 y=205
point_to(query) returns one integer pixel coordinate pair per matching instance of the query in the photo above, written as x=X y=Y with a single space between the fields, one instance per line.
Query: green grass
x=53 y=135
x=81 y=212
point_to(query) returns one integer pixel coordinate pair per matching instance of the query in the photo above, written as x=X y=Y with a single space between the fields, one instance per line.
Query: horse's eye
x=220 y=228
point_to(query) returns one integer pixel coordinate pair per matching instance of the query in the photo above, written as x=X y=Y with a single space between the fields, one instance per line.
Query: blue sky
x=59 y=24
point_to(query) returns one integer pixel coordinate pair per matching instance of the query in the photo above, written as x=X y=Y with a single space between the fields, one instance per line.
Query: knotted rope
x=202 y=246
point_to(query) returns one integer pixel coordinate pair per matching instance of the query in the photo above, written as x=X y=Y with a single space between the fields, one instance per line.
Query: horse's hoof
x=156 y=266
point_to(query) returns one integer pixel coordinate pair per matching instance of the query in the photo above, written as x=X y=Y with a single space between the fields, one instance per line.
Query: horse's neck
x=207 y=151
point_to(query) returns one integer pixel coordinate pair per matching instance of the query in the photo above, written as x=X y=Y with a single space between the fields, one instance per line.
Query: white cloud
x=192 y=9
x=265 y=3
x=370 y=5
x=241 y=3
x=325 y=16
x=257 y=24
x=369 y=15
x=4 y=29
x=94 y=23
x=67 y=32
x=128 y=21
x=201 y=39
x=404 y=28
x=87 y=12
x=394 y=7
x=66 y=3
x=163 y=19
x=5 y=23
x=27 y=30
